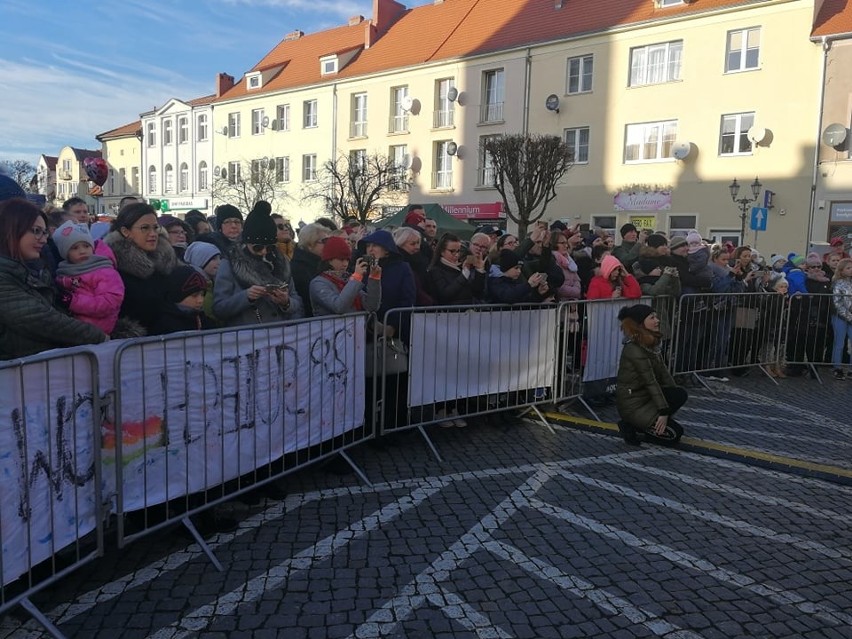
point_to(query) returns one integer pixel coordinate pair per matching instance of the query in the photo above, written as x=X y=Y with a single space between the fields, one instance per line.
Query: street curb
x=834 y=474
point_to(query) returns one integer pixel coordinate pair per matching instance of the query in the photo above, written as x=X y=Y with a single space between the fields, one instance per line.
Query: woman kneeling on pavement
x=647 y=396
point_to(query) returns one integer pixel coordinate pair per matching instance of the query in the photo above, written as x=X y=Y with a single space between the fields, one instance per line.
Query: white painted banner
x=604 y=338
x=455 y=354
x=204 y=408
x=47 y=460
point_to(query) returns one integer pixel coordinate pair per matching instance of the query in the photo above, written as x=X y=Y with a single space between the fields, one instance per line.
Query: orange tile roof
x=834 y=18
x=122 y=131
x=207 y=99
x=456 y=29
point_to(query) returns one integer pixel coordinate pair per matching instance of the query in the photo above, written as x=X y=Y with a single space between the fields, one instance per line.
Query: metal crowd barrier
x=810 y=335
x=208 y=416
x=51 y=507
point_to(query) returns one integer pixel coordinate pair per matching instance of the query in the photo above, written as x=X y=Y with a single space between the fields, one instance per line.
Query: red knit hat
x=415 y=217
x=336 y=248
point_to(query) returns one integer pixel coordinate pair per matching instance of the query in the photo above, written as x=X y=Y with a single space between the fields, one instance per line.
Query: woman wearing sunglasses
x=254 y=284
x=29 y=323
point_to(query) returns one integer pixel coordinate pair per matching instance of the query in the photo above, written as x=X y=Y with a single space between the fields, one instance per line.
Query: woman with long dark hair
x=646 y=396
x=453 y=280
x=29 y=323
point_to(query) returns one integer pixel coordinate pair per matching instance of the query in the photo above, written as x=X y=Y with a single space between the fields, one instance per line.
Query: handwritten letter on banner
x=476 y=353
x=47 y=460
x=203 y=409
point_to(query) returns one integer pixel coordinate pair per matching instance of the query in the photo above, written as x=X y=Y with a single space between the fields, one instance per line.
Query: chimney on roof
x=557 y=4
x=293 y=35
x=224 y=83
x=385 y=13
x=355 y=20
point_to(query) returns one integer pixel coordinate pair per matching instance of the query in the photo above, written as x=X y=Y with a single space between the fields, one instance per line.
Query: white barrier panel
x=47 y=460
x=206 y=408
x=604 y=345
x=454 y=355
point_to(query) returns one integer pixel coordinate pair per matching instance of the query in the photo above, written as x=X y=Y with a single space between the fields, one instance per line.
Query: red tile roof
x=457 y=29
x=207 y=99
x=120 y=132
x=834 y=18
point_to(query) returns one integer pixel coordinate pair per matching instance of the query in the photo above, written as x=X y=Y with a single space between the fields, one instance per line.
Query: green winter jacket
x=639 y=395
x=29 y=323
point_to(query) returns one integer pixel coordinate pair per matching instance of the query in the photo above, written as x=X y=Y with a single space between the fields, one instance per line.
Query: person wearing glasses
x=29 y=322
x=285 y=236
x=453 y=281
x=144 y=259
x=306 y=260
x=254 y=284
x=178 y=233
x=229 y=225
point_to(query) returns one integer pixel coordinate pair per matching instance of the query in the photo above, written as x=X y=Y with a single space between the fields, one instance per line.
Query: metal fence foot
x=589 y=408
x=186 y=521
x=38 y=615
x=701 y=381
x=815 y=373
x=765 y=372
x=356 y=468
x=542 y=419
x=431 y=445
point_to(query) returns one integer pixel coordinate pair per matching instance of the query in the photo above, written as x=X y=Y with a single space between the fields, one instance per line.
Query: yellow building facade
x=122 y=150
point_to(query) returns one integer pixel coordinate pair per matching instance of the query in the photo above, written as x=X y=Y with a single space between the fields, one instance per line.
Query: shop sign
x=488 y=211
x=188 y=203
x=644 y=221
x=643 y=201
x=841 y=211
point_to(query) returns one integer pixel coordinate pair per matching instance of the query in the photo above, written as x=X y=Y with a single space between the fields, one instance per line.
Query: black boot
x=628 y=433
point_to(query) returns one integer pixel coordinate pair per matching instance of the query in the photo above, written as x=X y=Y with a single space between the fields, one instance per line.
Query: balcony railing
x=444 y=119
x=491 y=112
x=442 y=180
x=398 y=124
x=357 y=129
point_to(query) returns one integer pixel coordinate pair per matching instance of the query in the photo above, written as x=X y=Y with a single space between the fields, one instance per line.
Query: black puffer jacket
x=304 y=266
x=29 y=323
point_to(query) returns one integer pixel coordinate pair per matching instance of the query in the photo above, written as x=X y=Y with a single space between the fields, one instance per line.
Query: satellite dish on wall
x=224 y=130
x=275 y=125
x=265 y=121
x=757 y=134
x=835 y=135
x=552 y=103
x=224 y=174
x=217 y=171
x=452 y=94
x=452 y=148
x=406 y=103
x=681 y=150
x=406 y=161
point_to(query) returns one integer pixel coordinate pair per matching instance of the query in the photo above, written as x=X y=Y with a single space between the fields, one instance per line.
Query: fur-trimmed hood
x=250 y=270
x=132 y=260
x=638 y=334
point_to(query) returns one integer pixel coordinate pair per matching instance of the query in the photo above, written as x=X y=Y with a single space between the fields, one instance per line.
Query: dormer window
x=253 y=80
x=328 y=64
x=670 y=3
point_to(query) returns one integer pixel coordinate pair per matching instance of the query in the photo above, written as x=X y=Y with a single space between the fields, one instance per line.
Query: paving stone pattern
x=519 y=533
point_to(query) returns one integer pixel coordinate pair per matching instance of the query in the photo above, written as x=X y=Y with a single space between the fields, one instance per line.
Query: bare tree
x=22 y=171
x=244 y=183
x=527 y=169
x=353 y=185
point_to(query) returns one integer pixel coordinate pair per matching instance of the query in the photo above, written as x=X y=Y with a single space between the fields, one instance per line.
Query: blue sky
x=71 y=70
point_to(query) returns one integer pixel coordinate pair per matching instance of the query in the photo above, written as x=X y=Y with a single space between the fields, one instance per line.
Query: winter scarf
x=251 y=270
x=132 y=260
x=340 y=279
x=92 y=263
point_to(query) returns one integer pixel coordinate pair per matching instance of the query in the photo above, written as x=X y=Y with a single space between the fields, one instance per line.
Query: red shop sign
x=487 y=211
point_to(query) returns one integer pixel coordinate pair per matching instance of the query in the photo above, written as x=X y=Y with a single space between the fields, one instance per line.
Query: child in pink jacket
x=91 y=286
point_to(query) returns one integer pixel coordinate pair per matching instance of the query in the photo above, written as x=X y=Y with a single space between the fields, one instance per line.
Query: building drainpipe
x=333 y=133
x=826 y=47
x=527 y=83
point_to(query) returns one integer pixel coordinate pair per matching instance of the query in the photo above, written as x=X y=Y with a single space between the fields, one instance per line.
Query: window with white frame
x=234 y=125
x=111 y=182
x=167 y=132
x=577 y=141
x=493 y=96
x=742 y=51
x=649 y=141
x=282 y=169
x=485 y=172
x=234 y=173
x=445 y=108
x=399 y=116
x=282 y=112
x=733 y=137
x=152 y=137
x=183 y=130
x=656 y=63
x=183 y=178
x=309 y=111
x=152 y=179
x=579 y=74
x=443 y=176
x=669 y=3
x=681 y=225
x=203 y=176
x=358 y=161
x=328 y=65
x=309 y=167
x=358 y=125
x=257 y=116
x=134 y=179
x=398 y=155
x=203 y=128
x=168 y=179
x=256 y=171
x=253 y=81
x=122 y=177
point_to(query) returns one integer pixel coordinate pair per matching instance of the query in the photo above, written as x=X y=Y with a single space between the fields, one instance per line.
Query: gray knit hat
x=68 y=234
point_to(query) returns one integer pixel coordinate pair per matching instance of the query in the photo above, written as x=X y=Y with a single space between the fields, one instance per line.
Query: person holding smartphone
x=336 y=291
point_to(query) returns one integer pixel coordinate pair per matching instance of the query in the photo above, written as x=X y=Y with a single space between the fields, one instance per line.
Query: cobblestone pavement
x=519 y=533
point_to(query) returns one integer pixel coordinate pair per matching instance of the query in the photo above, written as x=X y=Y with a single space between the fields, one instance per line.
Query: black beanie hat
x=508 y=259
x=627 y=228
x=259 y=227
x=655 y=240
x=226 y=212
x=638 y=313
x=184 y=281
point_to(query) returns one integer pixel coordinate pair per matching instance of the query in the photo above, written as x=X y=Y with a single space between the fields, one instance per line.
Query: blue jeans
x=842 y=332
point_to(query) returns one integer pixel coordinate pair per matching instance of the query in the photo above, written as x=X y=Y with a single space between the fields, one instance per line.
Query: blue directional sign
x=758 y=218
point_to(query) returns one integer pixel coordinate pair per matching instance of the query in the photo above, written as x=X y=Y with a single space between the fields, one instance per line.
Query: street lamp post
x=744 y=201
